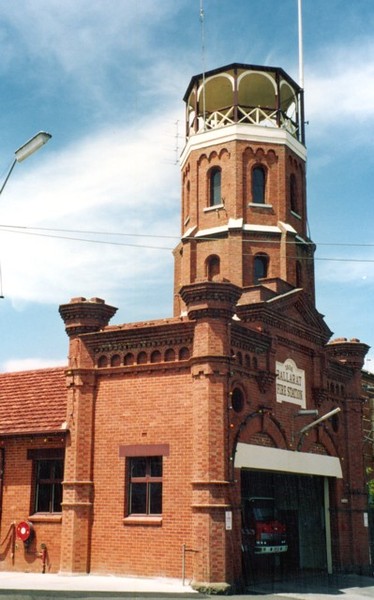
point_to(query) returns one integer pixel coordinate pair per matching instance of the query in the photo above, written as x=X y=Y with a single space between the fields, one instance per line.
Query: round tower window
x=237 y=400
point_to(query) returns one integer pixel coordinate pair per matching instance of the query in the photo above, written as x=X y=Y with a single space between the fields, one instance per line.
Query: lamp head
x=36 y=142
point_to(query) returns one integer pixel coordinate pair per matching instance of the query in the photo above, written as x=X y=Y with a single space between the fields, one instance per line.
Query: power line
x=26 y=229
x=36 y=232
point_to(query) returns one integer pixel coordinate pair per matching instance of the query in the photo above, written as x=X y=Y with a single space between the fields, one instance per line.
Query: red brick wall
x=16 y=507
x=151 y=407
x=236 y=251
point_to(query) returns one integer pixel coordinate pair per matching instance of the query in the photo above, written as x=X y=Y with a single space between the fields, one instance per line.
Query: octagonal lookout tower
x=240 y=93
x=244 y=210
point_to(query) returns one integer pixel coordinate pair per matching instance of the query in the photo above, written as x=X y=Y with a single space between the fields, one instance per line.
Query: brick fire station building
x=138 y=457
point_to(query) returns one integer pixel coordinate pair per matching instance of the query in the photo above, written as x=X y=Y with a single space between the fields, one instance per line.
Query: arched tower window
x=258 y=185
x=293 y=194
x=213 y=267
x=187 y=204
x=260 y=267
x=215 y=196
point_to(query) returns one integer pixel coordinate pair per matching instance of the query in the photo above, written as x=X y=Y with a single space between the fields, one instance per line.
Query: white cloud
x=28 y=364
x=359 y=274
x=75 y=34
x=120 y=181
x=340 y=87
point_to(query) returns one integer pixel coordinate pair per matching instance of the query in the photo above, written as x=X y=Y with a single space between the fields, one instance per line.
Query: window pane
x=59 y=470
x=293 y=193
x=43 y=497
x=215 y=187
x=138 y=467
x=44 y=469
x=155 y=498
x=48 y=487
x=260 y=268
x=57 y=497
x=138 y=502
x=156 y=466
x=258 y=185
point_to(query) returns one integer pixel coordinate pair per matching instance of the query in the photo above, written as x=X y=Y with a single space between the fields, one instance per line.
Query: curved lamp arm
x=31 y=146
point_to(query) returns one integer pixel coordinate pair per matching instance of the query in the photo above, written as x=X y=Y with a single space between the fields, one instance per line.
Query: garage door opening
x=291 y=537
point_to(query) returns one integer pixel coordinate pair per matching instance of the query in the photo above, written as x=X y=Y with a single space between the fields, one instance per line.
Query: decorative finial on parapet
x=214 y=299
x=85 y=316
x=350 y=352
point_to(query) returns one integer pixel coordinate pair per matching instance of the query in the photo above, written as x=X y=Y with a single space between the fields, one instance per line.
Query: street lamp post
x=31 y=146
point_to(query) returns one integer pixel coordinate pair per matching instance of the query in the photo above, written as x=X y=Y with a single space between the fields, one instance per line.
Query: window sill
x=45 y=518
x=259 y=205
x=215 y=207
x=142 y=520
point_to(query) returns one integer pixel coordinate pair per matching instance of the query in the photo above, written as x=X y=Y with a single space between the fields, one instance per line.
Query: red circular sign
x=24 y=530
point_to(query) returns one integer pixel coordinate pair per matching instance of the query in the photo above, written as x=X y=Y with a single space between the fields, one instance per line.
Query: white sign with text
x=290 y=383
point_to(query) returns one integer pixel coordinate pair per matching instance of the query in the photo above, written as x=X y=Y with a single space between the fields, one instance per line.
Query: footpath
x=34 y=586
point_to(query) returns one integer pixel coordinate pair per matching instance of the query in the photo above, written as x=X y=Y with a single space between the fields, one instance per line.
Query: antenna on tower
x=301 y=57
x=202 y=21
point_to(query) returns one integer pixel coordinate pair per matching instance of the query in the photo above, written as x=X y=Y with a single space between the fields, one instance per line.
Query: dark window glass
x=258 y=185
x=155 y=498
x=215 y=187
x=138 y=498
x=48 y=485
x=138 y=467
x=237 y=400
x=293 y=194
x=261 y=263
x=145 y=485
x=155 y=466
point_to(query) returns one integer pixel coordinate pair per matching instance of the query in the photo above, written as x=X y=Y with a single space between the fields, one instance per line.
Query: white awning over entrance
x=272 y=459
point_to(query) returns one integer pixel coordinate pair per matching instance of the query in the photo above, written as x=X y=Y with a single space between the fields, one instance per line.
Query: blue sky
x=107 y=79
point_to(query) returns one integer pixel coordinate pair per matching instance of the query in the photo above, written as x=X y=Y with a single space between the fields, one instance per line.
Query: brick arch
x=186 y=170
x=103 y=361
x=213 y=155
x=115 y=360
x=203 y=158
x=319 y=437
x=129 y=359
x=212 y=266
x=271 y=157
x=169 y=355
x=260 y=155
x=223 y=153
x=156 y=356
x=184 y=353
x=259 y=424
x=142 y=358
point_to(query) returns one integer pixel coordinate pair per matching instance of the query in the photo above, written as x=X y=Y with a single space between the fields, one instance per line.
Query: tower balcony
x=244 y=94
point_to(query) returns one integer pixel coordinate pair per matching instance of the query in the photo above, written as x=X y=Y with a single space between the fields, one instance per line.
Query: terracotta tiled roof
x=32 y=401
